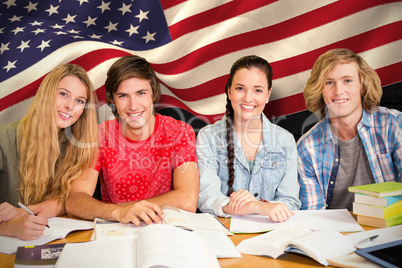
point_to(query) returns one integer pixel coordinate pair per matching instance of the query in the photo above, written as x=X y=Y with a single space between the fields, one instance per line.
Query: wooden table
x=286 y=260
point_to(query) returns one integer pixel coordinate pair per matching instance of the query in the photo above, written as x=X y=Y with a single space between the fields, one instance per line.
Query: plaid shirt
x=319 y=158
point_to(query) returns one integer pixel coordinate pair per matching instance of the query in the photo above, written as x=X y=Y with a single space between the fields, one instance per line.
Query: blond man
x=356 y=142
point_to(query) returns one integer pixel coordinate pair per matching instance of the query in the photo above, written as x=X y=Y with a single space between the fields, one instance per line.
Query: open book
x=156 y=245
x=320 y=245
x=59 y=228
x=173 y=216
x=204 y=224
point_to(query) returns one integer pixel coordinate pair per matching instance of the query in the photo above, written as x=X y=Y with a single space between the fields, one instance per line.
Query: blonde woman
x=42 y=154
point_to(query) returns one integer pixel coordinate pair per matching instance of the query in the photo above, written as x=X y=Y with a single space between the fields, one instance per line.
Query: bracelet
x=263 y=200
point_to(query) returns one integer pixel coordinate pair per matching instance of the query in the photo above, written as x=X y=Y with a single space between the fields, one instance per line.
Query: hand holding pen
x=29 y=211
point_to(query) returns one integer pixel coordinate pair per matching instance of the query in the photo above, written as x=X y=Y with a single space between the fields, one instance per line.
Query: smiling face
x=249 y=93
x=342 y=93
x=71 y=97
x=133 y=100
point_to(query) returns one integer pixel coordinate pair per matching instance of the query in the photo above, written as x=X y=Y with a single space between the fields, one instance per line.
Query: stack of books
x=378 y=204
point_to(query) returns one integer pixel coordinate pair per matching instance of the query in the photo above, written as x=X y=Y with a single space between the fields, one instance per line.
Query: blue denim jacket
x=274 y=176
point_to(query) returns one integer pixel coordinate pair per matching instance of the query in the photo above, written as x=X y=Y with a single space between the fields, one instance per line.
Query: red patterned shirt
x=136 y=170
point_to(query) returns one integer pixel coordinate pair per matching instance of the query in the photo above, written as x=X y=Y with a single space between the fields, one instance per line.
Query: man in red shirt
x=146 y=160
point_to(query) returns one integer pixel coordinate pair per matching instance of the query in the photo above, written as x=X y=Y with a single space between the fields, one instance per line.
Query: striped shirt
x=319 y=157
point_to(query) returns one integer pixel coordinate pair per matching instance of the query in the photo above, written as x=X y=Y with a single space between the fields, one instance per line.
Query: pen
x=364 y=241
x=263 y=200
x=29 y=211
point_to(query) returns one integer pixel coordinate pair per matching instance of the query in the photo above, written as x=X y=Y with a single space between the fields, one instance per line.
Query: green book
x=382 y=189
x=377 y=212
x=378 y=222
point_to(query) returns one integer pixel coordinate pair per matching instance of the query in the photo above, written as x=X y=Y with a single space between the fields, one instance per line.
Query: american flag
x=191 y=44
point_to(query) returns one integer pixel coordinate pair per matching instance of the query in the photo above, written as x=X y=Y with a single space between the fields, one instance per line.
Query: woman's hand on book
x=277 y=212
x=237 y=200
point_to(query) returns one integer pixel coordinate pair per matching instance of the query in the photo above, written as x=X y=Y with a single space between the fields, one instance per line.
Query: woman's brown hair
x=244 y=62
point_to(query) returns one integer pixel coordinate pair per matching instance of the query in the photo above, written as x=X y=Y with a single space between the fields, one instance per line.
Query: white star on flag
x=142 y=15
x=132 y=30
x=31 y=6
x=10 y=66
x=69 y=18
x=149 y=37
x=111 y=27
x=4 y=47
x=24 y=45
x=44 y=45
x=125 y=8
x=90 y=21
x=18 y=29
x=104 y=6
x=52 y=10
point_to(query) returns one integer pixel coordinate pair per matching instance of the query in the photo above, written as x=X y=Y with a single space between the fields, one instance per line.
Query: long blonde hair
x=51 y=160
x=369 y=79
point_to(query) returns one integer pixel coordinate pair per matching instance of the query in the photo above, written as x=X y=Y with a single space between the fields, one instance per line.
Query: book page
x=174 y=217
x=105 y=229
x=205 y=221
x=272 y=243
x=221 y=244
x=168 y=246
x=192 y=221
x=116 y=253
x=323 y=244
x=59 y=228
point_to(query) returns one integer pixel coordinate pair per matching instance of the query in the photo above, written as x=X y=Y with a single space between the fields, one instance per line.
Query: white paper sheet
x=338 y=219
x=385 y=235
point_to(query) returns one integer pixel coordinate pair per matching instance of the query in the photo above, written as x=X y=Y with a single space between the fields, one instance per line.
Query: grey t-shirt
x=9 y=162
x=354 y=169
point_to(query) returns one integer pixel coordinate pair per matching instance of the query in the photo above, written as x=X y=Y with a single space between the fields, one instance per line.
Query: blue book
x=377 y=201
x=37 y=256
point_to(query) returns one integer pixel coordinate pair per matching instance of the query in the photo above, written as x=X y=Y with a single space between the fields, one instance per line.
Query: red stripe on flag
x=285 y=106
x=101 y=95
x=91 y=59
x=390 y=74
x=168 y=101
x=171 y=3
x=20 y=95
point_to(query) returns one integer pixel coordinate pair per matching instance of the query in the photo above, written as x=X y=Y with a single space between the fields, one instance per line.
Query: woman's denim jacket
x=273 y=178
